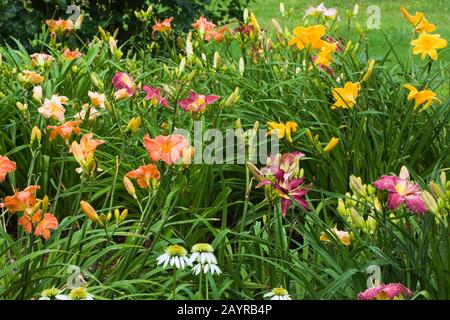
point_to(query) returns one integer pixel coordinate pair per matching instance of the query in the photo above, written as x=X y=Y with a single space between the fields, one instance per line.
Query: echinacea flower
x=65 y=130
x=308 y=37
x=154 y=95
x=321 y=10
x=419 y=22
x=6 y=166
x=278 y=294
x=402 y=191
x=166 y=148
x=203 y=254
x=346 y=97
x=197 y=103
x=41 y=59
x=32 y=77
x=392 y=291
x=53 y=108
x=122 y=80
x=50 y=294
x=427 y=44
x=146 y=176
x=21 y=201
x=174 y=256
x=97 y=99
x=163 y=27
x=79 y=293
x=425 y=97
x=40 y=225
x=343 y=236
x=71 y=55
x=282 y=130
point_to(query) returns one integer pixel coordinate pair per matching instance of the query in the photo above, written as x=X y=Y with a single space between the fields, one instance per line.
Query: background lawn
x=392 y=22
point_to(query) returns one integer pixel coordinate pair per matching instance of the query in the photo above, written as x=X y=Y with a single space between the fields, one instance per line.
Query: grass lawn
x=392 y=22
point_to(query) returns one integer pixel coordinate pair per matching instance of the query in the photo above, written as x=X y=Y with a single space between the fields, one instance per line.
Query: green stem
x=174 y=292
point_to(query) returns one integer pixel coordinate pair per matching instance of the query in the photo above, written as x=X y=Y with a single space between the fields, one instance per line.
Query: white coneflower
x=50 y=294
x=203 y=254
x=278 y=294
x=76 y=294
x=174 y=255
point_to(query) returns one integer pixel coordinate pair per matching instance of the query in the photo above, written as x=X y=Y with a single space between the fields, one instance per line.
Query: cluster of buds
x=362 y=199
x=111 y=40
x=438 y=200
x=314 y=140
x=102 y=219
x=144 y=16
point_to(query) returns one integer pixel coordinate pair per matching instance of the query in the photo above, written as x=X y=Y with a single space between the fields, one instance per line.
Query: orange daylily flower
x=6 y=166
x=97 y=99
x=418 y=21
x=309 y=37
x=71 y=55
x=64 y=131
x=427 y=44
x=203 y=25
x=30 y=77
x=162 y=26
x=87 y=145
x=60 y=25
x=346 y=97
x=424 y=97
x=42 y=226
x=166 y=148
x=146 y=176
x=21 y=200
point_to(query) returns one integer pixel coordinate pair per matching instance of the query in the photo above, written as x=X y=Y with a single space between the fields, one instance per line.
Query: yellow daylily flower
x=282 y=130
x=418 y=21
x=346 y=97
x=309 y=37
x=424 y=97
x=324 y=57
x=331 y=145
x=427 y=44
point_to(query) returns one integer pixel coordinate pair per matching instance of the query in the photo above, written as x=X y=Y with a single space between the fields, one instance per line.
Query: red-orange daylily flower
x=21 y=200
x=6 y=166
x=162 y=26
x=41 y=226
x=71 y=55
x=165 y=148
x=145 y=175
x=64 y=131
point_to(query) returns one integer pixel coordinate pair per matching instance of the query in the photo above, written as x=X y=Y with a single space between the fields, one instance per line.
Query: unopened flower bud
x=35 y=135
x=241 y=66
x=89 y=211
x=429 y=202
x=37 y=94
x=134 y=124
x=129 y=187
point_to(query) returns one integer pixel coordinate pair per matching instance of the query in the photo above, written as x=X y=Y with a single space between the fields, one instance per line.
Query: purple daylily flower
x=402 y=191
x=385 y=292
x=197 y=103
x=154 y=95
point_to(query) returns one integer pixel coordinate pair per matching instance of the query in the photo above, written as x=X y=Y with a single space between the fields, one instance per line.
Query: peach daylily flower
x=343 y=236
x=41 y=59
x=203 y=25
x=87 y=145
x=145 y=175
x=32 y=77
x=309 y=37
x=42 y=226
x=65 y=130
x=21 y=200
x=346 y=97
x=97 y=99
x=166 y=148
x=60 y=25
x=53 y=108
x=427 y=44
x=6 y=166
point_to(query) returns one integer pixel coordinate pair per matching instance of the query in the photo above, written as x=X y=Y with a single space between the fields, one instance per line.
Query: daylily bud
x=217 y=60
x=116 y=214
x=37 y=93
x=347 y=47
x=282 y=9
x=89 y=211
x=355 y=9
x=134 y=124
x=443 y=177
x=277 y=26
x=35 y=135
x=341 y=208
x=238 y=124
x=357 y=186
x=331 y=145
x=245 y=15
x=369 y=70
x=309 y=135
x=437 y=190
x=45 y=203
x=189 y=49
x=96 y=81
x=233 y=98
x=123 y=215
x=356 y=219
x=182 y=66
x=129 y=186
x=255 y=23
x=254 y=171
x=241 y=66
x=430 y=202
x=23 y=107
x=371 y=224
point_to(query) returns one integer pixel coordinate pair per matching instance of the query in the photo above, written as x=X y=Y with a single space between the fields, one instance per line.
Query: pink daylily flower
x=197 y=103
x=154 y=95
x=389 y=291
x=122 y=80
x=402 y=191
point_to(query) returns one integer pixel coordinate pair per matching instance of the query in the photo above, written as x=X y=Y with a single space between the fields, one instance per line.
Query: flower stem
x=174 y=294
